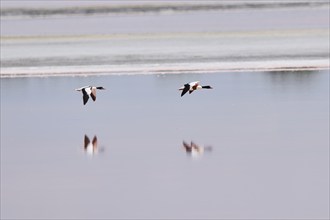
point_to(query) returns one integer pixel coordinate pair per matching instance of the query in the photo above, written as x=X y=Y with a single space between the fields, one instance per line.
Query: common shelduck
x=89 y=91
x=90 y=147
x=192 y=86
x=194 y=150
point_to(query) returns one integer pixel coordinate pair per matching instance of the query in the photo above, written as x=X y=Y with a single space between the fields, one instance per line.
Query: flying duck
x=194 y=150
x=89 y=91
x=192 y=86
x=90 y=148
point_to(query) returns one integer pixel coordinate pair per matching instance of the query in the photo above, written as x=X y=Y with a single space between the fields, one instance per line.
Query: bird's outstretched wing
x=94 y=142
x=185 y=89
x=85 y=96
x=86 y=142
x=186 y=146
x=93 y=94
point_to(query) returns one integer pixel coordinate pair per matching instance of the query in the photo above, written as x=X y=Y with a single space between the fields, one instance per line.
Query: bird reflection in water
x=91 y=148
x=194 y=150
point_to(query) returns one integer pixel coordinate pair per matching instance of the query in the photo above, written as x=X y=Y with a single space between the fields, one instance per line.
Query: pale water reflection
x=196 y=151
x=299 y=78
x=92 y=148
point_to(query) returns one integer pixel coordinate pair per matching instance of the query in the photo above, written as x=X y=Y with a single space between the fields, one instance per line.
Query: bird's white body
x=88 y=89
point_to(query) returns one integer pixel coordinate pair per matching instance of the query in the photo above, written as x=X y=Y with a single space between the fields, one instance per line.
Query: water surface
x=269 y=133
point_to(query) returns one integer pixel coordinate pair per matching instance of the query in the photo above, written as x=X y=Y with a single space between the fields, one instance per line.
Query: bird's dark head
x=100 y=87
x=207 y=87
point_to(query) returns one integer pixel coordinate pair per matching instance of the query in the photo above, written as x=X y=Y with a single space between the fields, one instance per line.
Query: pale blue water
x=269 y=132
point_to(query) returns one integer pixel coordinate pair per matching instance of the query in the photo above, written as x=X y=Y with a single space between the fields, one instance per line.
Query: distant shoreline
x=164 y=7
x=194 y=39
x=163 y=69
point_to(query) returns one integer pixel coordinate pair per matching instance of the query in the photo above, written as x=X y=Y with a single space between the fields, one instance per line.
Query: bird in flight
x=89 y=91
x=192 y=86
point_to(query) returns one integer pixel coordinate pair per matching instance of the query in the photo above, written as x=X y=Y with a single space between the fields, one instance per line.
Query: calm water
x=269 y=133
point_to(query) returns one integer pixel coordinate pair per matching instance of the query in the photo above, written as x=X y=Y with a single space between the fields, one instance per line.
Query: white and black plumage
x=89 y=91
x=192 y=86
x=90 y=147
x=194 y=150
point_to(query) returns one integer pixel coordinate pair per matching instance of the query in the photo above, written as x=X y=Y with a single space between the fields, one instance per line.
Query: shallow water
x=269 y=133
